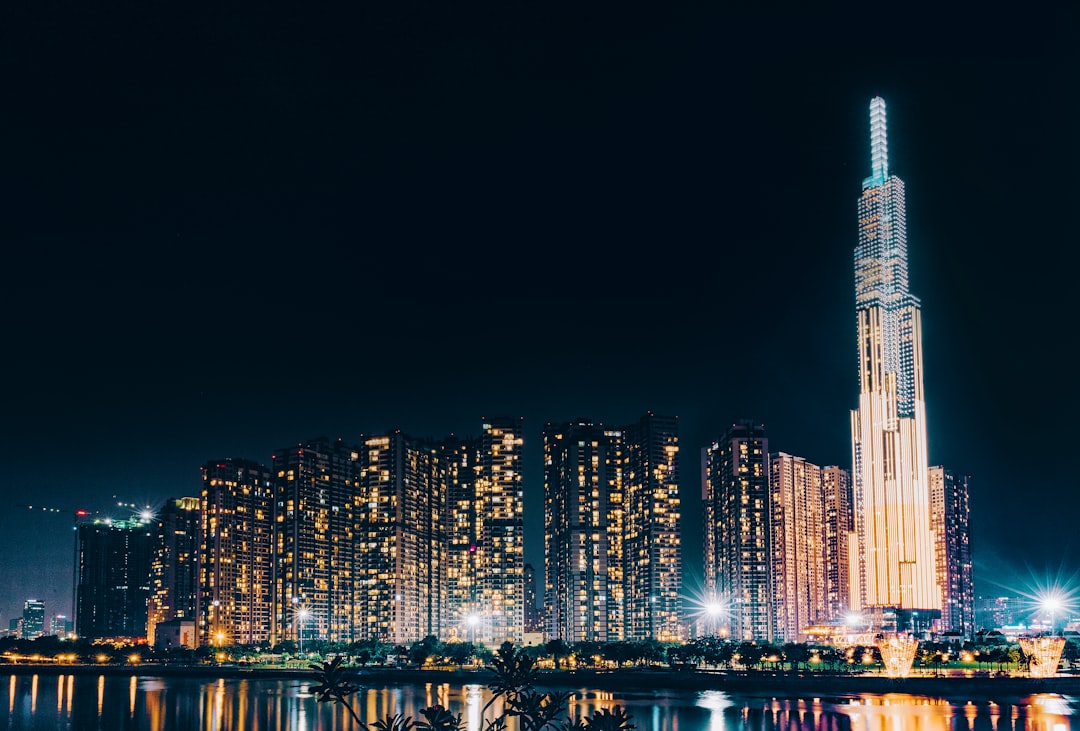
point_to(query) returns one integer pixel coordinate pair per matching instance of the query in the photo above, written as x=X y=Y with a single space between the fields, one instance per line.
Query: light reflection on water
x=136 y=703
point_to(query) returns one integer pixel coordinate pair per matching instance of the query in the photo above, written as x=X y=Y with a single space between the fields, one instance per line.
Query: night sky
x=230 y=229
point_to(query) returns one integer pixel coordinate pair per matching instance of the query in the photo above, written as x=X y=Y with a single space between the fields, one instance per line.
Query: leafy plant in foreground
x=515 y=673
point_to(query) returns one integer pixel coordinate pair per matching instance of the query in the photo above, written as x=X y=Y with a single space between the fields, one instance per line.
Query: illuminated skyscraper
x=315 y=485
x=951 y=515
x=399 y=564
x=839 y=527
x=652 y=569
x=583 y=525
x=738 y=559
x=457 y=465
x=501 y=520
x=33 y=619
x=895 y=549
x=174 y=577
x=236 y=532
x=797 y=536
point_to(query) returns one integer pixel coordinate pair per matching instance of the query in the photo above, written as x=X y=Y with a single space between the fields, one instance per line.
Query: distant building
x=950 y=515
x=113 y=579
x=738 y=561
x=235 y=556
x=33 y=619
x=60 y=625
x=174 y=577
x=995 y=612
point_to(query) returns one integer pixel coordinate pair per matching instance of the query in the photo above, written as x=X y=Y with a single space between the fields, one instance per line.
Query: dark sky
x=229 y=229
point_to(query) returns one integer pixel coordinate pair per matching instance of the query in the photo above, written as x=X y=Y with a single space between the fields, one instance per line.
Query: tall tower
x=500 y=524
x=652 y=551
x=113 y=577
x=583 y=520
x=798 y=547
x=888 y=429
x=236 y=559
x=399 y=562
x=315 y=488
x=457 y=464
x=951 y=515
x=174 y=576
x=739 y=523
x=838 y=527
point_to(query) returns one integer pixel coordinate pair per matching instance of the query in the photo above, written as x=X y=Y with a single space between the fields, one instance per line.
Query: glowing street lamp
x=472 y=621
x=302 y=613
x=1051 y=603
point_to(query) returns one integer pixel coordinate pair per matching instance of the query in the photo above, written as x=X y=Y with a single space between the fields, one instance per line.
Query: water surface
x=147 y=703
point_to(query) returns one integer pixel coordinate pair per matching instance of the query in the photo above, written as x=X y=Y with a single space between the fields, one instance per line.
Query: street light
x=300 y=613
x=1051 y=603
x=472 y=621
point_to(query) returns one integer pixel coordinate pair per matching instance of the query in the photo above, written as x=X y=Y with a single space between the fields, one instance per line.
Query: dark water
x=233 y=704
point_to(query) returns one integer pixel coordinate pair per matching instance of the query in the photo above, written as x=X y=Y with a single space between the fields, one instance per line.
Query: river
x=150 y=703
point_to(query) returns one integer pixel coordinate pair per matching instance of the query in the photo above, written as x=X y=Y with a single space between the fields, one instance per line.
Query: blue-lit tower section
x=893 y=557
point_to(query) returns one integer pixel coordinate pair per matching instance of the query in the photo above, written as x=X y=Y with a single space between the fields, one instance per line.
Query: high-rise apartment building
x=113 y=579
x=33 y=619
x=652 y=569
x=583 y=531
x=399 y=563
x=613 y=555
x=797 y=538
x=838 y=524
x=315 y=487
x=457 y=465
x=235 y=554
x=738 y=562
x=895 y=552
x=533 y=616
x=500 y=527
x=951 y=516
x=174 y=576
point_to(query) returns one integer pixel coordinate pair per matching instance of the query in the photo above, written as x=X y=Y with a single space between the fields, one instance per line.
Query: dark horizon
x=229 y=233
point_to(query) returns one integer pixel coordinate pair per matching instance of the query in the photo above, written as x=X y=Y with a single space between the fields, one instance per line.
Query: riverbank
x=637 y=680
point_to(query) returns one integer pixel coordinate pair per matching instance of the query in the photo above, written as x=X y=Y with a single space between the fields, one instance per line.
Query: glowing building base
x=1045 y=654
x=898 y=654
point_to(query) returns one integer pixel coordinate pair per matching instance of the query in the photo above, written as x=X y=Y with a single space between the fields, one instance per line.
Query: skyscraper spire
x=879 y=142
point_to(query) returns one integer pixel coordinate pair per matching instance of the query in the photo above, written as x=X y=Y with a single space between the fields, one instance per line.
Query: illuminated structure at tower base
x=897 y=654
x=1044 y=654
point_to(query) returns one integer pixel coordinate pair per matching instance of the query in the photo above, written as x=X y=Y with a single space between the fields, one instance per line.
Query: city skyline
x=297 y=233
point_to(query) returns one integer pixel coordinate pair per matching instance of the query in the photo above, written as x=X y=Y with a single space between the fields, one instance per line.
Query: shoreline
x=755 y=683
